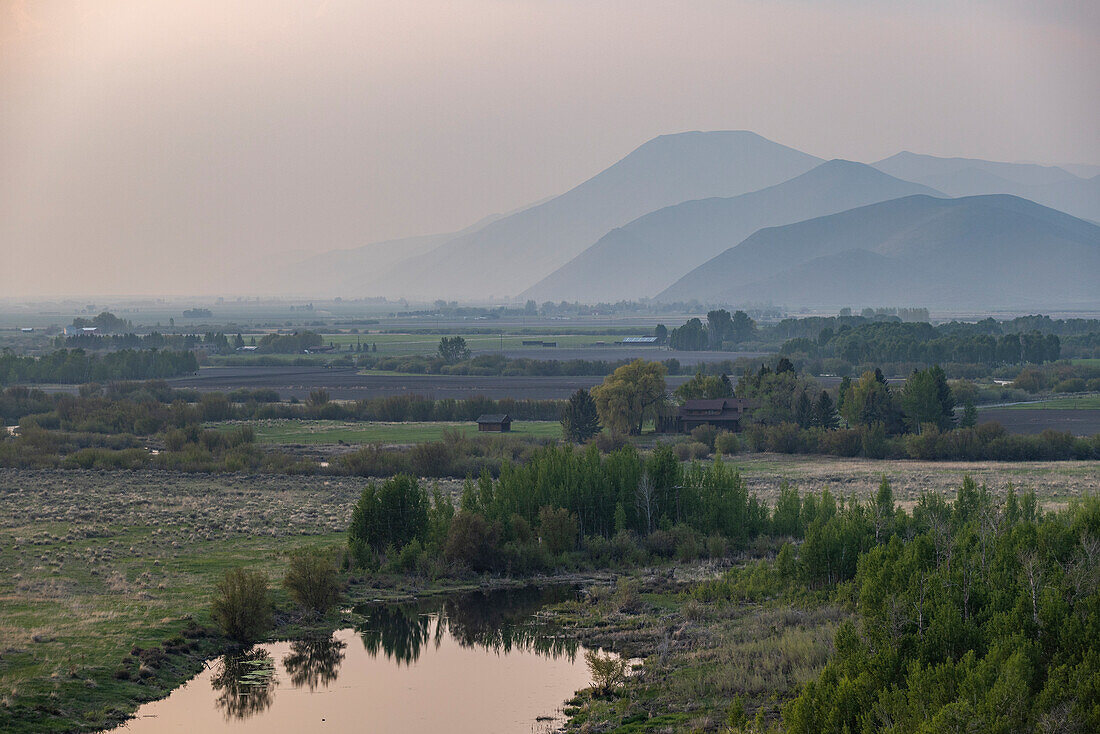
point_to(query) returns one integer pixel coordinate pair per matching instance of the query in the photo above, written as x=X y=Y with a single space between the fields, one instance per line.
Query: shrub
x=626 y=597
x=558 y=529
x=430 y=459
x=242 y=605
x=471 y=541
x=311 y=580
x=705 y=434
x=1074 y=384
x=609 y=441
x=608 y=671
x=726 y=443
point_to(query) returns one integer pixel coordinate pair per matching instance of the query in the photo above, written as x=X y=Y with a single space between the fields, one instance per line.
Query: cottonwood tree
x=630 y=395
x=453 y=349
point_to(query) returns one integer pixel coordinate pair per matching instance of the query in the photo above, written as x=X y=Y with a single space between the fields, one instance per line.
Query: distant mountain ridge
x=653 y=251
x=981 y=251
x=1048 y=185
x=512 y=254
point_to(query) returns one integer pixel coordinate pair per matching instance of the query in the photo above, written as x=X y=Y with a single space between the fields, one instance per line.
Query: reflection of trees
x=496 y=620
x=397 y=630
x=246 y=682
x=314 y=661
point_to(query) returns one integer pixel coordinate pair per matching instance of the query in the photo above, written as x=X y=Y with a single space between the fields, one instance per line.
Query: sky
x=175 y=147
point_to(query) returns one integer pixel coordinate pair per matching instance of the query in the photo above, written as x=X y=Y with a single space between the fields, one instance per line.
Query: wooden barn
x=497 y=423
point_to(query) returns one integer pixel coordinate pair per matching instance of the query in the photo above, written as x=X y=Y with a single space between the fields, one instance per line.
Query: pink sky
x=146 y=145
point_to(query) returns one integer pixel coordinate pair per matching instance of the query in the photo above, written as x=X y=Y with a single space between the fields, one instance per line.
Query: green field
x=326 y=432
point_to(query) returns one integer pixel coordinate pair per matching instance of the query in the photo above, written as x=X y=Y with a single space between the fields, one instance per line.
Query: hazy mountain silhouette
x=982 y=251
x=652 y=252
x=1048 y=185
x=510 y=255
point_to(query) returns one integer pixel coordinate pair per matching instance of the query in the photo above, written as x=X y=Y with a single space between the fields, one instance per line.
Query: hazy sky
x=147 y=145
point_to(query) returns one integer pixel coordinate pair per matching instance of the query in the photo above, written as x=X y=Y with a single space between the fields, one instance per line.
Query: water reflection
x=314 y=662
x=475 y=664
x=494 y=620
x=245 y=683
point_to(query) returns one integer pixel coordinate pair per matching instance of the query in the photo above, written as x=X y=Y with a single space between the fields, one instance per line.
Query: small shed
x=495 y=422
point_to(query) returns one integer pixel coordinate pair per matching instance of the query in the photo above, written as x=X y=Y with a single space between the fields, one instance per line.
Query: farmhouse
x=495 y=422
x=724 y=413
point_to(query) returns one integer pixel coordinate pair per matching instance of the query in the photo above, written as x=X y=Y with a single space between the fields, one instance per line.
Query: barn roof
x=494 y=418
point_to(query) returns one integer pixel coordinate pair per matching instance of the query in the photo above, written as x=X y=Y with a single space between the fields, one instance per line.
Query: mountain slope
x=1048 y=185
x=651 y=252
x=510 y=255
x=982 y=251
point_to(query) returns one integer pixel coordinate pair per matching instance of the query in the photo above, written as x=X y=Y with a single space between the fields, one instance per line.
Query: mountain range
x=648 y=254
x=662 y=222
x=993 y=251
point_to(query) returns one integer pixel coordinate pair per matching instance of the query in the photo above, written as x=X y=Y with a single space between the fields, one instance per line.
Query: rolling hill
x=653 y=251
x=510 y=255
x=994 y=251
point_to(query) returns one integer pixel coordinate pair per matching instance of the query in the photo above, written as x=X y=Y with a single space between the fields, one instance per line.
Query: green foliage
x=705 y=387
x=558 y=529
x=242 y=605
x=453 y=349
x=726 y=443
x=630 y=395
x=294 y=343
x=869 y=402
x=773 y=394
x=927 y=400
x=692 y=336
x=75 y=366
x=580 y=419
x=471 y=541
x=387 y=516
x=986 y=619
x=312 y=580
x=608 y=671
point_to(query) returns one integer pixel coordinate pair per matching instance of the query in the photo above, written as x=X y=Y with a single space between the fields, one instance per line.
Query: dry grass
x=1055 y=482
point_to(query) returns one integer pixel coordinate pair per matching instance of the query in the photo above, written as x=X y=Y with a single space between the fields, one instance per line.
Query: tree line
x=77 y=366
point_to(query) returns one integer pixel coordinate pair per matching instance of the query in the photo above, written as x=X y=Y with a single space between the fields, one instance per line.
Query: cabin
x=726 y=414
x=495 y=423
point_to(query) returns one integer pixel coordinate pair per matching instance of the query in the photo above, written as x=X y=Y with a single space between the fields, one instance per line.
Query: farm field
x=1072 y=402
x=1031 y=420
x=328 y=432
x=349 y=384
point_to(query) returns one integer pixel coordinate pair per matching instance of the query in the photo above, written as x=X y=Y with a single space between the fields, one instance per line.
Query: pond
x=470 y=663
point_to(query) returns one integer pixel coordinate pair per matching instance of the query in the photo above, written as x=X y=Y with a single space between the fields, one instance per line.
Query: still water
x=473 y=663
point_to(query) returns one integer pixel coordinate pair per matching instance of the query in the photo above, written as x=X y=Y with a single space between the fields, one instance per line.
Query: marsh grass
x=100 y=565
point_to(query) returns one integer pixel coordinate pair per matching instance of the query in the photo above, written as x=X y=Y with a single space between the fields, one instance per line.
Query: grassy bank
x=693 y=658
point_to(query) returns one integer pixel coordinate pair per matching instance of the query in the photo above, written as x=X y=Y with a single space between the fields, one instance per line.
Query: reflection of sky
x=132 y=131
x=450 y=687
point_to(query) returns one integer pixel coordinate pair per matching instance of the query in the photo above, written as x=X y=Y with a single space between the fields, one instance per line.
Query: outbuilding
x=495 y=422
x=723 y=413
